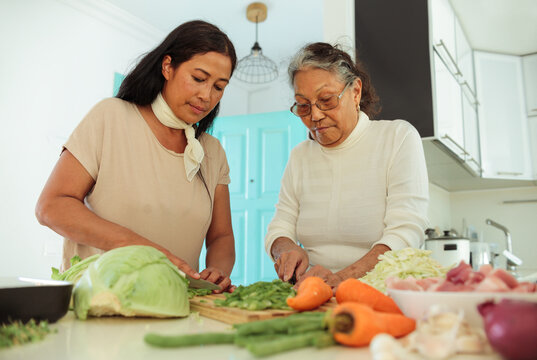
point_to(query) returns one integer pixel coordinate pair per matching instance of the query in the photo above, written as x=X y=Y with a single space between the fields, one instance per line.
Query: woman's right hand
x=290 y=259
x=183 y=265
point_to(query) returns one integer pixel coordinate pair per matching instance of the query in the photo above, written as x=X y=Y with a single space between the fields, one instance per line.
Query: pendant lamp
x=256 y=68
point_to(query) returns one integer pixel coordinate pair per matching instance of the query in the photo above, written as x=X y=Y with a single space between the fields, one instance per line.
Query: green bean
x=189 y=340
x=283 y=324
x=324 y=340
x=242 y=341
x=282 y=344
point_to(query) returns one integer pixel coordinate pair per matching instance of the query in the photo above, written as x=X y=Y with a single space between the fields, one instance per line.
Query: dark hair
x=145 y=81
x=333 y=59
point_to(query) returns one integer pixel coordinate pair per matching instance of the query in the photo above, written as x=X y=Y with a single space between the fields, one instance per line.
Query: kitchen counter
x=122 y=338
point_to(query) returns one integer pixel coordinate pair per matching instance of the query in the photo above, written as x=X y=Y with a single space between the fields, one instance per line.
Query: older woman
x=140 y=169
x=357 y=188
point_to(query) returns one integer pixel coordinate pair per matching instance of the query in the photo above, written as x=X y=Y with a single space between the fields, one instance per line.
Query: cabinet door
x=471 y=134
x=465 y=61
x=529 y=64
x=532 y=124
x=448 y=108
x=503 y=123
x=443 y=21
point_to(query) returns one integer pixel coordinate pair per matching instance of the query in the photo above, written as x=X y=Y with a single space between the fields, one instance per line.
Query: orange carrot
x=357 y=291
x=312 y=293
x=355 y=324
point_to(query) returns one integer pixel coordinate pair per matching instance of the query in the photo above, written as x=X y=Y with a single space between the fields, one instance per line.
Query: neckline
x=355 y=135
x=155 y=138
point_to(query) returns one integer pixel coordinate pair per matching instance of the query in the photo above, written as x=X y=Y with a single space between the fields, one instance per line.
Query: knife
x=201 y=284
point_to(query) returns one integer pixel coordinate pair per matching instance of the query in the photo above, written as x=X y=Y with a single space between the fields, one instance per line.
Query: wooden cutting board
x=205 y=306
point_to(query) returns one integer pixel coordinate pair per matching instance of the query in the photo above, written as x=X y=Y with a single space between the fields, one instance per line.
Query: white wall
x=439 y=208
x=57 y=62
x=519 y=218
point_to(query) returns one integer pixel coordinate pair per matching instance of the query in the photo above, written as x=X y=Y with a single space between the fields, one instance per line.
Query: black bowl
x=24 y=299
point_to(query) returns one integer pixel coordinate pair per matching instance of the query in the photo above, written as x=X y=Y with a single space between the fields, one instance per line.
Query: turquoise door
x=257 y=148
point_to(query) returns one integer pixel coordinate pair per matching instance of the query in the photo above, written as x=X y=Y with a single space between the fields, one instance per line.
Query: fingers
x=290 y=263
x=224 y=284
x=184 y=267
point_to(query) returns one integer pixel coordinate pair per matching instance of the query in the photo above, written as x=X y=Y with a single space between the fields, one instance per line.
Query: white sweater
x=339 y=202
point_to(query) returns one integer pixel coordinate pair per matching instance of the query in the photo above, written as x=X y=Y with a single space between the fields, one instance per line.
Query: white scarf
x=194 y=151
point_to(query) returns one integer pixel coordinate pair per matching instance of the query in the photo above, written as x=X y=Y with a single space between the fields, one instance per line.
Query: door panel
x=257 y=148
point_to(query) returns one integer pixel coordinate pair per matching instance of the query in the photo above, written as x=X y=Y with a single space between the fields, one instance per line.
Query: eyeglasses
x=327 y=103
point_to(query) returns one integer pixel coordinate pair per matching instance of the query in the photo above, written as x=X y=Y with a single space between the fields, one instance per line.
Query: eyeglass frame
x=316 y=104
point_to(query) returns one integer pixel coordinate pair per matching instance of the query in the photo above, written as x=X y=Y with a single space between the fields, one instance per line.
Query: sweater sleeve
x=283 y=223
x=407 y=193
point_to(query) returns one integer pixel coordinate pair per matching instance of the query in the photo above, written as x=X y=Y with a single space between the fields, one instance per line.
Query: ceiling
x=505 y=26
x=290 y=24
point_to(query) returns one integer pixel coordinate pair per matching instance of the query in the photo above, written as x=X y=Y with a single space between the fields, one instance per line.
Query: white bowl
x=415 y=304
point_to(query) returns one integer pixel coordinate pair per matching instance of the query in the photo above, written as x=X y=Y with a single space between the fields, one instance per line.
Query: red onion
x=511 y=327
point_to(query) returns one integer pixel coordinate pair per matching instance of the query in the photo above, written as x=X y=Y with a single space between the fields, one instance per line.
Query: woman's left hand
x=217 y=277
x=332 y=279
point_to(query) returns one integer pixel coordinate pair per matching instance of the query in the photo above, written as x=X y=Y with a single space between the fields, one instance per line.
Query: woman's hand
x=180 y=263
x=290 y=258
x=332 y=279
x=217 y=277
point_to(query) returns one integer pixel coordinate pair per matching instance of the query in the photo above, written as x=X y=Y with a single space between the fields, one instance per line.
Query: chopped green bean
x=189 y=340
x=259 y=296
x=18 y=333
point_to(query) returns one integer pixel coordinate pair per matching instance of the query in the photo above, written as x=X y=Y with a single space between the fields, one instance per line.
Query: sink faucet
x=512 y=260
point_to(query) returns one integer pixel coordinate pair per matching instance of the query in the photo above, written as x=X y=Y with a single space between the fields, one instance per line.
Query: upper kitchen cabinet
x=421 y=66
x=529 y=64
x=505 y=145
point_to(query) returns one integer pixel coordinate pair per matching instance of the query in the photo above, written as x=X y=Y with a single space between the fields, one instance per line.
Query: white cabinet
x=443 y=31
x=447 y=96
x=465 y=60
x=503 y=125
x=454 y=86
x=532 y=125
x=529 y=64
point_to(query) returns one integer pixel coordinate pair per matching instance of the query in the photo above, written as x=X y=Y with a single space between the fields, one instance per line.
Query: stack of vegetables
x=362 y=312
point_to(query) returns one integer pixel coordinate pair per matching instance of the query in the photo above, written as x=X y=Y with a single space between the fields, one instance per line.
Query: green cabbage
x=402 y=264
x=132 y=281
x=75 y=272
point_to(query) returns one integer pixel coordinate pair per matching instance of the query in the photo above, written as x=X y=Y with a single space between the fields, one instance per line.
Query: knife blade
x=201 y=284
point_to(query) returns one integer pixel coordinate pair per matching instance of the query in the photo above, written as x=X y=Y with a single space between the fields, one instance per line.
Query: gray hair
x=338 y=62
x=331 y=61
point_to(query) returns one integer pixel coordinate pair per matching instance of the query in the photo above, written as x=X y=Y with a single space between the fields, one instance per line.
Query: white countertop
x=122 y=338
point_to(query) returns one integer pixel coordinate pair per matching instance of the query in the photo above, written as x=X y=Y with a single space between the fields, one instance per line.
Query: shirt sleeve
x=223 y=172
x=283 y=223
x=86 y=141
x=407 y=194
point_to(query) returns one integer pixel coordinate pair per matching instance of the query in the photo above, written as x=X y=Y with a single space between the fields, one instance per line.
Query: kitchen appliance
x=24 y=299
x=448 y=249
x=480 y=254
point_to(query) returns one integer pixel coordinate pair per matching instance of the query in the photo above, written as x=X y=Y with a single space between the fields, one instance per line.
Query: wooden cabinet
x=529 y=64
x=503 y=122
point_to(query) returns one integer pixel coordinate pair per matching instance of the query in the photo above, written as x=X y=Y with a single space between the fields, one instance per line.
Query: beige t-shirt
x=140 y=184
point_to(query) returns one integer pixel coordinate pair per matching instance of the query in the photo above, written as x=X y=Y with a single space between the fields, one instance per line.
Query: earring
x=358 y=108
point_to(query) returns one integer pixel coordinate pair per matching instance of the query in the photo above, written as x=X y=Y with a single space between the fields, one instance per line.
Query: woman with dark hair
x=140 y=169
x=357 y=188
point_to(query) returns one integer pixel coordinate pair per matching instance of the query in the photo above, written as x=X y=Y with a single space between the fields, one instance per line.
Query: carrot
x=357 y=291
x=355 y=324
x=312 y=293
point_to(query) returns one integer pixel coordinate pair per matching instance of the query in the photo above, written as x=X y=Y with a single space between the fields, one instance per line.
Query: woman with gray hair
x=357 y=188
